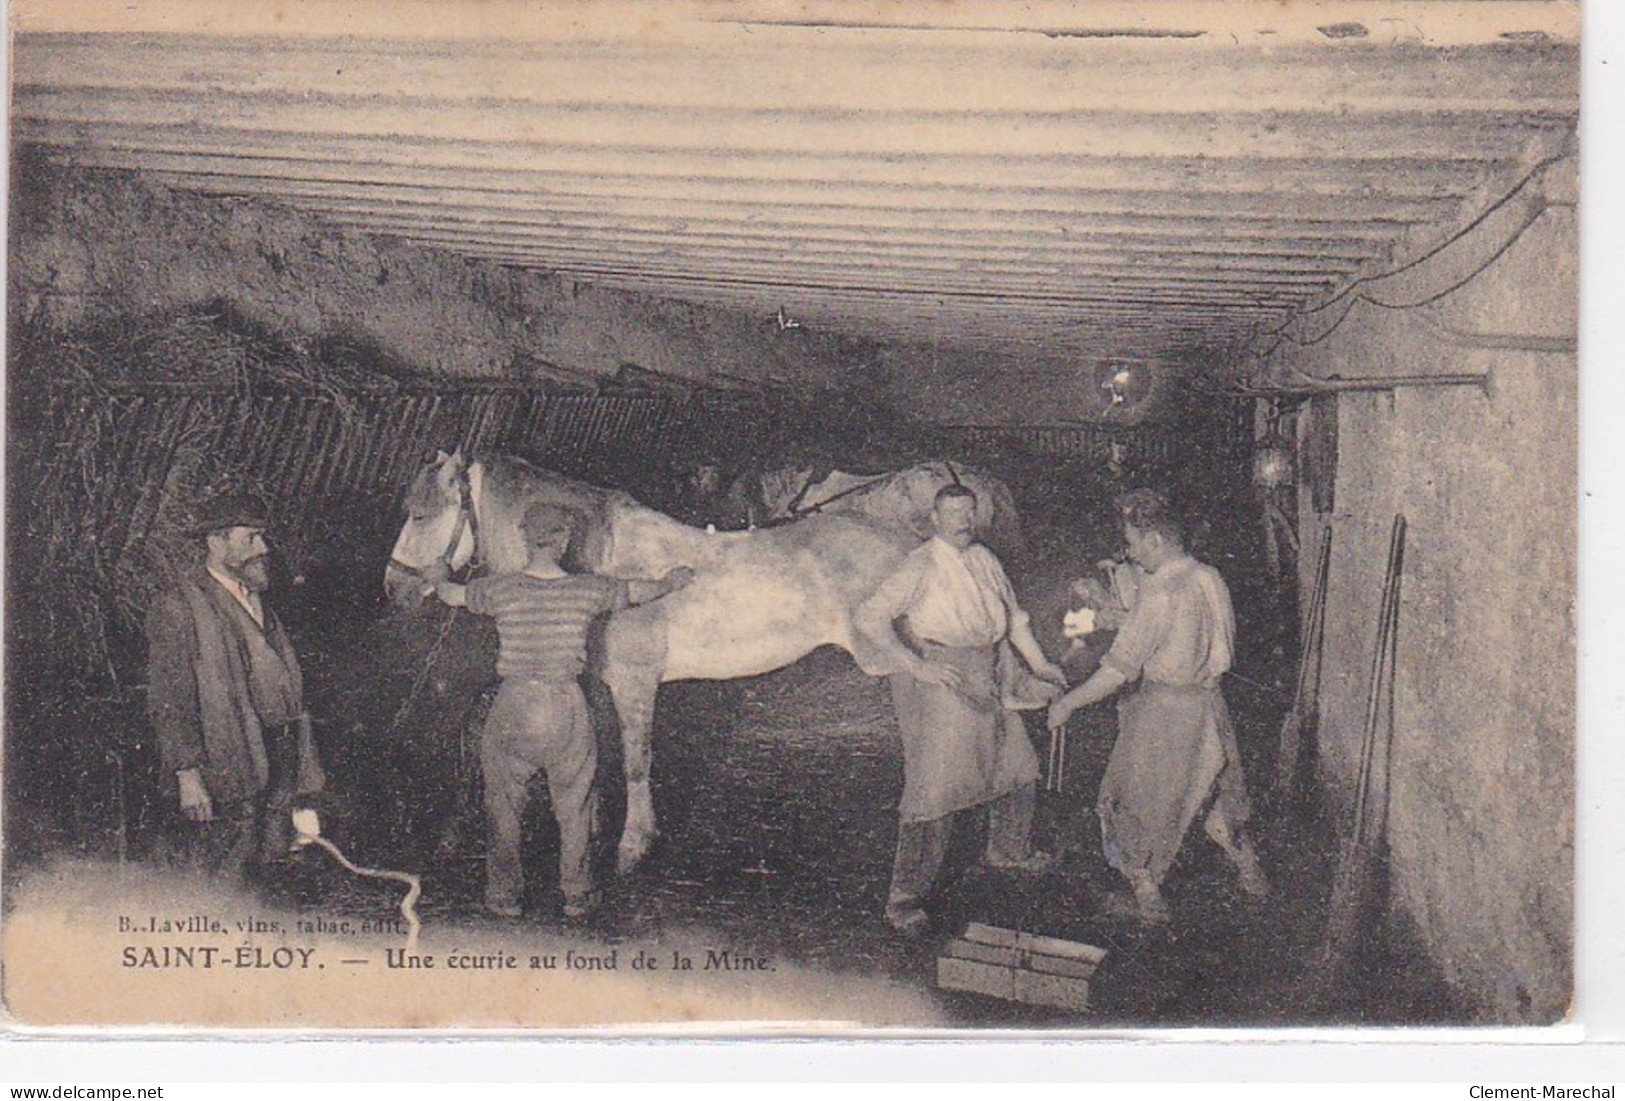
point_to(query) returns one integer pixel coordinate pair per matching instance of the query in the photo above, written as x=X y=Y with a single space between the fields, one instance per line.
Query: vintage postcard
x=752 y=517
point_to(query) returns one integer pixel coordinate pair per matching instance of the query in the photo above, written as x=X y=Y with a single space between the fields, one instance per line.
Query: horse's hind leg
x=635 y=651
x=634 y=688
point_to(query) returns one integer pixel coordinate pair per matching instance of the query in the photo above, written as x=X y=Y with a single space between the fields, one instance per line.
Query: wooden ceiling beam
x=772 y=293
x=854 y=250
x=986 y=243
x=722 y=68
x=680 y=177
x=925 y=200
x=1355 y=217
x=926 y=279
x=1134 y=291
x=1398 y=175
x=1327 y=136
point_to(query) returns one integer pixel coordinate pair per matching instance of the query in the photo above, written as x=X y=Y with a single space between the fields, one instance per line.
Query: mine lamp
x=1272 y=453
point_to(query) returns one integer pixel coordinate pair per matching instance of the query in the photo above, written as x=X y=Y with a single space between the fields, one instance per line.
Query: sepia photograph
x=761 y=518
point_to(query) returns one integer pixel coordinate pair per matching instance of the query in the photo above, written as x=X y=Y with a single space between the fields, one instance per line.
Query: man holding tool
x=1175 y=749
x=963 y=745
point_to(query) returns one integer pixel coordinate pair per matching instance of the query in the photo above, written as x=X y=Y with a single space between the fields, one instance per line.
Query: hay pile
x=118 y=430
x=211 y=346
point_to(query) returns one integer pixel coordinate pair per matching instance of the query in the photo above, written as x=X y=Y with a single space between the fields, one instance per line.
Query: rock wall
x=93 y=245
x=1020 y=386
x=1481 y=820
x=90 y=245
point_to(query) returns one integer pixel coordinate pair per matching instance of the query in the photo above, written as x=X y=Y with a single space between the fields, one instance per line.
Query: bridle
x=795 y=510
x=466 y=521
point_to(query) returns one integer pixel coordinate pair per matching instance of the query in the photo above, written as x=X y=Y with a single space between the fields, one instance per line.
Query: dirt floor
x=776 y=800
x=780 y=831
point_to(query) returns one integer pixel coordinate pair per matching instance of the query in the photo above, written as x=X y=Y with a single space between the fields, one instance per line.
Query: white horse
x=759 y=600
x=900 y=498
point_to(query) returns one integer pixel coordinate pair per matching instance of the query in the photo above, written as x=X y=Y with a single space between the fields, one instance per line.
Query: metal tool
x=1355 y=882
x=1305 y=709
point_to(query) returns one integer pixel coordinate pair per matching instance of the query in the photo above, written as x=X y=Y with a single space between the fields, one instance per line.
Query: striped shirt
x=542 y=622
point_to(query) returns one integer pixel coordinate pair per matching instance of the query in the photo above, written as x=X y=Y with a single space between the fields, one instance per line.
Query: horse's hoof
x=630 y=853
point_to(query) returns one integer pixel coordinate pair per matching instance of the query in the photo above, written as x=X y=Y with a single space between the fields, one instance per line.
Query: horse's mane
x=511 y=482
x=509 y=473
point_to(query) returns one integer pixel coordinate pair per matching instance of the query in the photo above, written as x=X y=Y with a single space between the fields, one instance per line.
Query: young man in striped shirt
x=539 y=720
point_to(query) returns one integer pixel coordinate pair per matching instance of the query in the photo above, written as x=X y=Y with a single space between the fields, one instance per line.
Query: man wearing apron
x=962 y=745
x=1176 y=750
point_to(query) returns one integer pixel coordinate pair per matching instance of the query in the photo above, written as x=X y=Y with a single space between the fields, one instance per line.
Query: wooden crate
x=1019 y=967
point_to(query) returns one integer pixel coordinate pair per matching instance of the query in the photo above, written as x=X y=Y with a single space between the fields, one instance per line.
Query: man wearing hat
x=225 y=697
x=539 y=720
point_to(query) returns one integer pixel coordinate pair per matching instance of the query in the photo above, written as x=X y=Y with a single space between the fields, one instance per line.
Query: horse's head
x=439 y=528
x=782 y=490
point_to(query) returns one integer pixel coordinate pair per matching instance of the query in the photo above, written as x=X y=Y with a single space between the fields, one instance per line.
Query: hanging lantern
x=1272 y=453
x=1123 y=385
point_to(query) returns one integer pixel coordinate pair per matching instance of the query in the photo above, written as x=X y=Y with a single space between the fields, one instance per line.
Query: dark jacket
x=226 y=696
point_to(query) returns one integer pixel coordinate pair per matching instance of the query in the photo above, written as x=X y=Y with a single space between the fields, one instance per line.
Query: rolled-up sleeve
x=1139 y=637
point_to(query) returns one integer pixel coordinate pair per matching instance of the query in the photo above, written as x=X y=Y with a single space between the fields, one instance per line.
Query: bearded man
x=225 y=697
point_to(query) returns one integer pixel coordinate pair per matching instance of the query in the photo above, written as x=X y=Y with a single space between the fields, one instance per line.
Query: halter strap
x=793 y=509
x=798 y=512
x=466 y=519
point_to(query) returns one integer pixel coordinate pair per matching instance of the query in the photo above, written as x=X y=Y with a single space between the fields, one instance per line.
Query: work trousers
x=921 y=846
x=244 y=837
x=240 y=842
x=538 y=725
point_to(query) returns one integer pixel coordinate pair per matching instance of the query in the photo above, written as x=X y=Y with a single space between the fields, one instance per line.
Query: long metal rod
x=1346 y=385
x=1290 y=748
x=1387 y=621
x=1352 y=881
